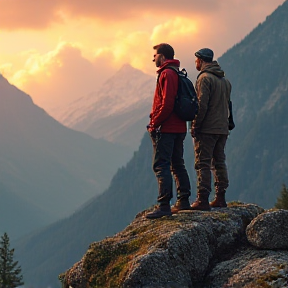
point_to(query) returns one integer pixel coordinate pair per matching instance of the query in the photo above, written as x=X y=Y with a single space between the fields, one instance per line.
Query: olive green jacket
x=213 y=93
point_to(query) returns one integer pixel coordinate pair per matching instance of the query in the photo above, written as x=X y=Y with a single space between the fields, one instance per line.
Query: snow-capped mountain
x=118 y=112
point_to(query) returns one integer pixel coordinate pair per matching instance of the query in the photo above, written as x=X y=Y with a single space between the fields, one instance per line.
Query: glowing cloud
x=173 y=29
x=60 y=50
x=58 y=77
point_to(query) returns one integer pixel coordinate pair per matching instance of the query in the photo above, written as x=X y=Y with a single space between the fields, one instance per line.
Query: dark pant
x=210 y=155
x=168 y=151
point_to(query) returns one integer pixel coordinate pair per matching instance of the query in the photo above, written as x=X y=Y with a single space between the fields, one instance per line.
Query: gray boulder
x=269 y=230
x=251 y=268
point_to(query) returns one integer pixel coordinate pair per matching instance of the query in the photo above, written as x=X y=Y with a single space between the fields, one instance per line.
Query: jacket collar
x=173 y=62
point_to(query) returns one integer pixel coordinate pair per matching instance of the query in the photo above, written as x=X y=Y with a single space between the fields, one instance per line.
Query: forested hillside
x=258 y=150
x=46 y=253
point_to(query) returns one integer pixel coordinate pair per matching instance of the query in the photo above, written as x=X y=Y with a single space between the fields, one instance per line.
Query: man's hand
x=150 y=128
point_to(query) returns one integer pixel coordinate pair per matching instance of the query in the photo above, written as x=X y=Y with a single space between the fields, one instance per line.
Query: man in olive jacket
x=210 y=130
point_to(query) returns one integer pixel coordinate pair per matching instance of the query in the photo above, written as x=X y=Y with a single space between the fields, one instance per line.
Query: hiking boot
x=201 y=203
x=181 y=204
x=219 y=200
x=159 y=212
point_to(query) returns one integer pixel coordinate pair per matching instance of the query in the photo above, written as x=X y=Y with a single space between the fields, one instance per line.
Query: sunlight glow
x=57 y=51
x=174 y=28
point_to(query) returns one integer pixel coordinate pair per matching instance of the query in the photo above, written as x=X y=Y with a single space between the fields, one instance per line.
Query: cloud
x=131 y=48
x=120 y=10
x=60 y=76
x=115 y=33
x=174 y=28
x=19 y=14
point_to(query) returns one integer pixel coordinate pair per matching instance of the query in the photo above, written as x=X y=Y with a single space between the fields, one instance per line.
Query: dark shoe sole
x=200 y=208
x=157 y=214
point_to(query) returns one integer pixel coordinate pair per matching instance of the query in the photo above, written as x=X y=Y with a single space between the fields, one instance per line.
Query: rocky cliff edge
x=239 y=246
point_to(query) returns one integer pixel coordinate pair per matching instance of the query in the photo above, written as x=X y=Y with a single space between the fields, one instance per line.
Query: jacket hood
x=173 y=62
x=213 y=68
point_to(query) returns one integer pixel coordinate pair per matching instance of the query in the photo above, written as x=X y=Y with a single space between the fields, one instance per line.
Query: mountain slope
x=44 y=254
x=257 y=150
x=46 y=164
x=18 y=215
x=120 y=107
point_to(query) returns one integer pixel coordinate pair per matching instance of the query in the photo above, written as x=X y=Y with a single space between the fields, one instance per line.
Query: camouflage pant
x=210 y=156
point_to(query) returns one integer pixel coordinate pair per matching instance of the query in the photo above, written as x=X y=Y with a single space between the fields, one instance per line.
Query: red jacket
x=162 y=114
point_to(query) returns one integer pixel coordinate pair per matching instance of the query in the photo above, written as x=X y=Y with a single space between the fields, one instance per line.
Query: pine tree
x=10 y=276
x=282 y=200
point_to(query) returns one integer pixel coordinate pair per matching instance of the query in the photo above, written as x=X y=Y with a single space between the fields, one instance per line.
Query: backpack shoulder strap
x=172 y=68
x=168 y=67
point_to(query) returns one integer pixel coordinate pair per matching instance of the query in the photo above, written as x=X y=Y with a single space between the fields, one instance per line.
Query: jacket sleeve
x=203 y=90
x=167 y=90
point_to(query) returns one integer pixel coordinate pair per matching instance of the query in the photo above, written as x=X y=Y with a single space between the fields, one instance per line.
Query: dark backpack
x=186 y=102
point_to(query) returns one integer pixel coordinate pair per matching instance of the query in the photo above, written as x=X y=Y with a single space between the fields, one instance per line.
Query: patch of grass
x=107 y=264
x=61 y=277
x=235 y=203
x=265 y=280
x=262 y=284
x=271 y=210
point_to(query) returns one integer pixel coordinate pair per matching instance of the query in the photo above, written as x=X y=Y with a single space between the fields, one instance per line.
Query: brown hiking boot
x=181 y=204
x=201 y=203
x=219 y=201
x=160 y=211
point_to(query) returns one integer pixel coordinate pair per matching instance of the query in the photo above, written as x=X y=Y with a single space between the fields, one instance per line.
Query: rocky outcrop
x=190 y=249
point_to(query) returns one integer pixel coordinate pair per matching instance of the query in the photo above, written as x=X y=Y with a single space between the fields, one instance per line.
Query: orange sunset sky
x=60 y=50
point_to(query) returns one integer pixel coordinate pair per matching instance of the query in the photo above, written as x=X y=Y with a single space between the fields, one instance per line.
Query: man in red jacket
x=167 y=132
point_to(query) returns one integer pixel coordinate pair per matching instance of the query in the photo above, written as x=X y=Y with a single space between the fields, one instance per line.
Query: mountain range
x=257 y=158
x=47 y=170
x=118 y=112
